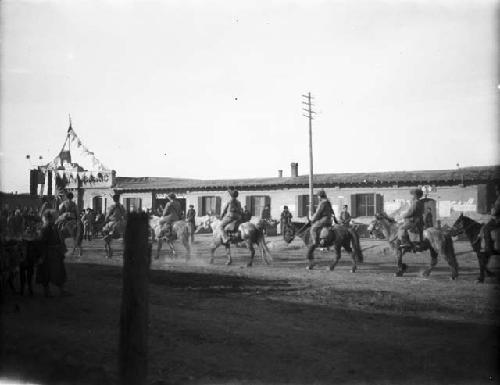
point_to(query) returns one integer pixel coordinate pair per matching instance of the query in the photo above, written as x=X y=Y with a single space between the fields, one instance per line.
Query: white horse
x=180 y=231
x=247 y=232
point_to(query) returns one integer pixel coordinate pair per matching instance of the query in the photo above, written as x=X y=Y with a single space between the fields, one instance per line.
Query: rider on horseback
x=171 y=213
x=115 y=218
x=322 y=217
x=494 y=223
x=413 y=219
x=68 y=211
x=231 y=212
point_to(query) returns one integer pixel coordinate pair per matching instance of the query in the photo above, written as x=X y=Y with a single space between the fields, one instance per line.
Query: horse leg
x=449 y=255
x=401 y=266
x=228 y=252
x=252 y=253
x=310 y=256
x=482 y=259
x=187 y=244
x=158 y=248
x=434 y=261
x=354 y=258
x=338 y=254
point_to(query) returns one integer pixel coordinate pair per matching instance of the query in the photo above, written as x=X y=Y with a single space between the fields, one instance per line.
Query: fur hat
x=232 y=192
x=322 y=193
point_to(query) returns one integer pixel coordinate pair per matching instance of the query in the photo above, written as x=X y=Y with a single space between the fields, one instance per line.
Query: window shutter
x=267 y=201
x=248 y=203
x=379 y=203
x=353 y=206
x=217 y=205
x=300 y=206
x=200 y=206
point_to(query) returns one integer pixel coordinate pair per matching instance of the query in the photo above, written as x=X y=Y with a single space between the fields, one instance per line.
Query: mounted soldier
x=231 y=214
x=322 y=217
x=172 y=213
x=191 y=220
x=413 y=220
x=493 y=224
x=115 y=217
x=68 y=212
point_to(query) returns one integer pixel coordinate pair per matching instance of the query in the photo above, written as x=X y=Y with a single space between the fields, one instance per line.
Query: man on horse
x=231 y=212
x=413 y=219
x=115 y=218
x=172 y=213
x=494 y=223
x=68 y=212
x=322 y=217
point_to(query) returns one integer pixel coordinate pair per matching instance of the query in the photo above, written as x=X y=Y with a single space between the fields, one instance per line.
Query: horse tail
x=356 y=245
x=262 y=243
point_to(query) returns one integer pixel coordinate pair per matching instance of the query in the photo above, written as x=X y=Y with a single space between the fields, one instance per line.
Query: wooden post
x=309 y=116
x=133 y=346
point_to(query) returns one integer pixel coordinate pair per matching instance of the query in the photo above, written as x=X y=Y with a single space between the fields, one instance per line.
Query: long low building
x=448 y=192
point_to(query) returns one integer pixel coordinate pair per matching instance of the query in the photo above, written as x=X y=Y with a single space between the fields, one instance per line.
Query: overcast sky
x=212 y=89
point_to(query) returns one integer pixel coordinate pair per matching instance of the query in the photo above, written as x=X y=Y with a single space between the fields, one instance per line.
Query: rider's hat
x=172 y=196
x=116 y=198
x=416 y=192
x=322 y=193
x=69 y=195
x=232 y=192
x=285 y=207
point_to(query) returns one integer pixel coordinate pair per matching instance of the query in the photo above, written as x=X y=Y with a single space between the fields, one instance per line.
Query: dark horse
x=336 y=236
x=472 y=230
x=438 y=242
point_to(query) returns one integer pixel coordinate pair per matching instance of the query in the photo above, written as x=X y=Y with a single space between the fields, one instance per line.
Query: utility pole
x=309 y=116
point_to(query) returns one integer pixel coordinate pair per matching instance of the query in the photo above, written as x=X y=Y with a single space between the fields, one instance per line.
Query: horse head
x=460 y=225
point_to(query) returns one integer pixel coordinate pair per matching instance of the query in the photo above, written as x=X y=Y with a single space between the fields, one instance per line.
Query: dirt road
x=265 y=325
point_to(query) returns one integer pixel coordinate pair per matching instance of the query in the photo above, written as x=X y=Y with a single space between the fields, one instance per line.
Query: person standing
x=345 y=217
x=247 y=215
x=191 y=220
x=428 y=220
x=285 y=219
x=51 y=267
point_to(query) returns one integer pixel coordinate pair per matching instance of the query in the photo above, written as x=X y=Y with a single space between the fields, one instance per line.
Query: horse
x=181 y=230
x=337 y=236
x=116 y=232
x=438 y=242
x=472 y=230
x=72 y=229
x=246 y=232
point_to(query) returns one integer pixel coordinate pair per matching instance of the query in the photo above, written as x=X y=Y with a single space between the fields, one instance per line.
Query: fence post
x=133 y=345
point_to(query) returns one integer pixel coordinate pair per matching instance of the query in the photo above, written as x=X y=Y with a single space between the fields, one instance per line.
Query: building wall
x=450 y=200
x=90 y=193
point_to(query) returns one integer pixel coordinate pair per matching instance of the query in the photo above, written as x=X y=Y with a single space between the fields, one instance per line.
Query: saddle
x=231 y=229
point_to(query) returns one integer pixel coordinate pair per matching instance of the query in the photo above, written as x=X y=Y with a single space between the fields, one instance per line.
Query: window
x=366 y=205
x=209 y=205
x=303 y=205
x=97 y=204
x=132 y=204
x=256 y=203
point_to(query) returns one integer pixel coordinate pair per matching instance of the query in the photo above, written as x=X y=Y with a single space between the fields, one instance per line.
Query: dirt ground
x=278 y=324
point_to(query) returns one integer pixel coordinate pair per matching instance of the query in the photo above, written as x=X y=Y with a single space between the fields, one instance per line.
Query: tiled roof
x=467 y=175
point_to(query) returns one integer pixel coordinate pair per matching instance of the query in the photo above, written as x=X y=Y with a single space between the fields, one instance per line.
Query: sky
x=213 y=89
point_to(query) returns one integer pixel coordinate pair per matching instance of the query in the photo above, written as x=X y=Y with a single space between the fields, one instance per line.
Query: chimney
x=294 y=170
x=280 y=173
